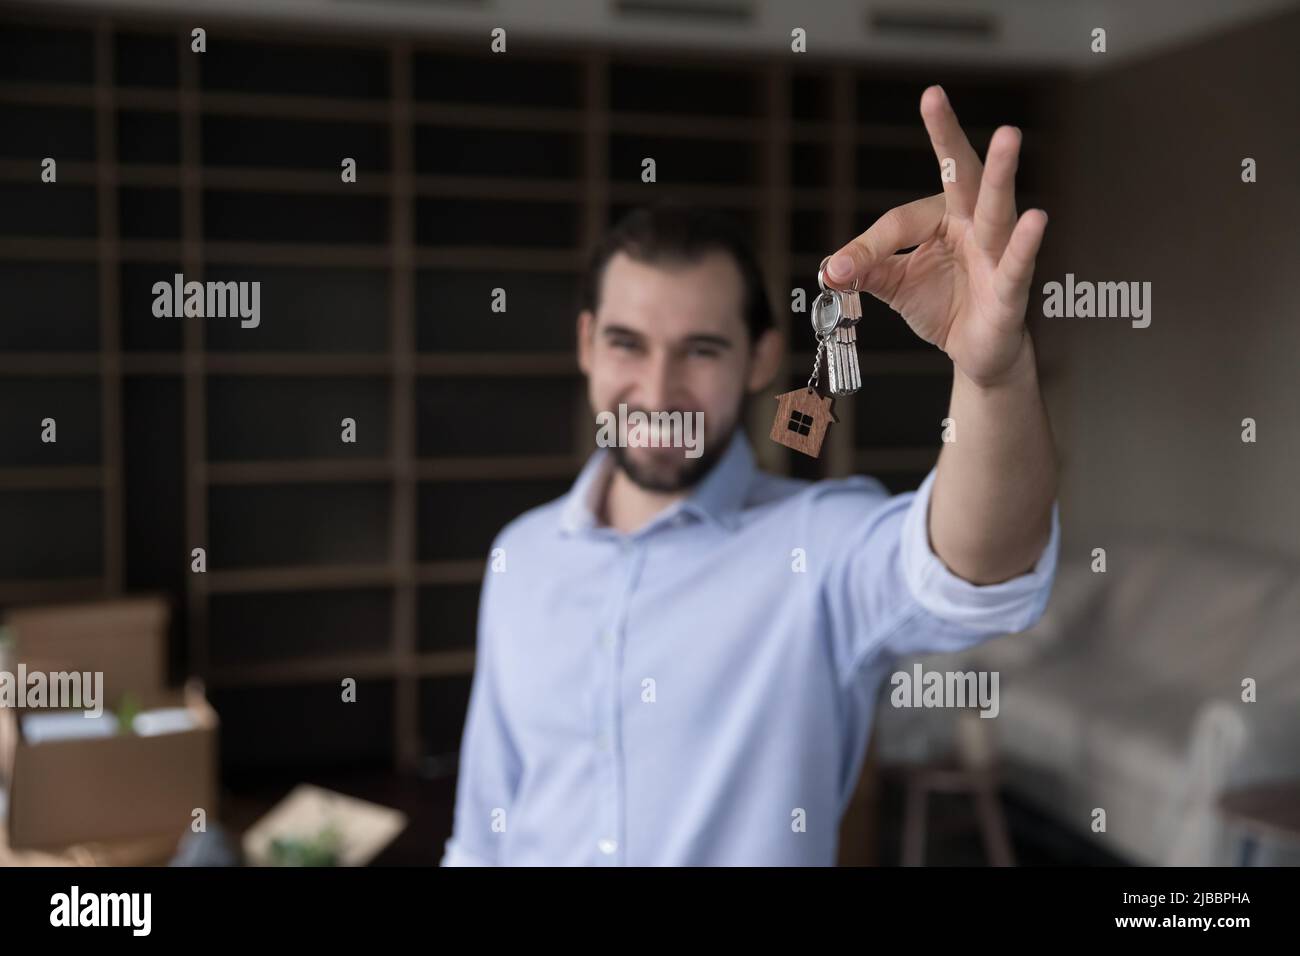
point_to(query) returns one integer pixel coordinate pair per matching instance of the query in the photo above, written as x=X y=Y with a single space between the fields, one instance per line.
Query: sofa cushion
x=1076 y=735
x=1183 y=615
x=1273 y=656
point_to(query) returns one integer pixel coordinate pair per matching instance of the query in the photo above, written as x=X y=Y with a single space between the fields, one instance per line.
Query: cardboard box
x=121 y=787
x=125 y=638
x=7 y=731
x=357 y=830
x=148 y=851
x=115 y=788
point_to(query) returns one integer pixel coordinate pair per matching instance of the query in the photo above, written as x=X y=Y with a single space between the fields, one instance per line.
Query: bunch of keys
x=804 y=415
x=835 y=316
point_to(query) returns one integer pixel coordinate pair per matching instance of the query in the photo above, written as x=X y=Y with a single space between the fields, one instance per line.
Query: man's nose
x=660 y=382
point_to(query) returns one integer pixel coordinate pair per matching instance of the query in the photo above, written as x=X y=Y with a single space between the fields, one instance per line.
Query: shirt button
x=607 y=846
x=602 y=742
x=607 y=640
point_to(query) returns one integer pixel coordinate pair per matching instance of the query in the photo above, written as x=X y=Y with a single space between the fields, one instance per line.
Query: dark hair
x=671 y=232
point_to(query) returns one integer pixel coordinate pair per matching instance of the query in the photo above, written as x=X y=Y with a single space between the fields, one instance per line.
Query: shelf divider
x=402 y=344
x=193 y=253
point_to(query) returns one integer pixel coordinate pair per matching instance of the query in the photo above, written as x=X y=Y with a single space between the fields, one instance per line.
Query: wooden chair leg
x=914 y=823
x=993 y=825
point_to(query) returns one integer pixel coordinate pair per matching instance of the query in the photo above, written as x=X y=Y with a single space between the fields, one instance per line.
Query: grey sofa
x=1127 y=696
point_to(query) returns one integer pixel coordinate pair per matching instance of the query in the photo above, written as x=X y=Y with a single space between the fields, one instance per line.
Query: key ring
x=822 y=268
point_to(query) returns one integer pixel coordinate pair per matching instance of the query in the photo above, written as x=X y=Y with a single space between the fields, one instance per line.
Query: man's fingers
x=883 y=280
x=995 y=210
x=950 y=143
x=1011 y=279
x=903 y=226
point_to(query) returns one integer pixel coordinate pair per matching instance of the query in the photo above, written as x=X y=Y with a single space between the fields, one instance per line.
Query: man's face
x=673 y=339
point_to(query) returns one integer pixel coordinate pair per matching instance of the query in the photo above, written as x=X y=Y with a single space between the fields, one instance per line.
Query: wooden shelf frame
x=773 y=134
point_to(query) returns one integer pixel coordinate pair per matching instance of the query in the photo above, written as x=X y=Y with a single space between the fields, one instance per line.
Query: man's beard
x=690 y=473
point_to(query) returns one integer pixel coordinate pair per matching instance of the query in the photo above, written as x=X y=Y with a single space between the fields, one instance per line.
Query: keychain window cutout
x=801 y=423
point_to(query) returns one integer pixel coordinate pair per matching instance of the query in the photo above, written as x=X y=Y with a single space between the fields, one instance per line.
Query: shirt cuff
x=1005 y=607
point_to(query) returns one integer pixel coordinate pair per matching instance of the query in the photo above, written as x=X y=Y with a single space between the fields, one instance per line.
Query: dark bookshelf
x=330 y=560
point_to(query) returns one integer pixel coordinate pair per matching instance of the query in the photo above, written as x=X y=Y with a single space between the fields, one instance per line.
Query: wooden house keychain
x=804 y=415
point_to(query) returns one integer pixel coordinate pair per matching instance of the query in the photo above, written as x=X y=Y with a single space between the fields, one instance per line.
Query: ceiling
x=1006 y=33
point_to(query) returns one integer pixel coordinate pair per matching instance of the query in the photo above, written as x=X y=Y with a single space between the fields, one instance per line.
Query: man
x=662 y=678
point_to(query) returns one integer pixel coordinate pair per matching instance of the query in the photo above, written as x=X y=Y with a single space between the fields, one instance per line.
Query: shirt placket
x=611 y=797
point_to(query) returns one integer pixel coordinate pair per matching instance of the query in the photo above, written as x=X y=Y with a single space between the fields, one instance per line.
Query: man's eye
x=705 y=352
x=628 y=344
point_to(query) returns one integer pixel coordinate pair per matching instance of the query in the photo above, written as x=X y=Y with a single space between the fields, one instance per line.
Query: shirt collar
x=718 y=498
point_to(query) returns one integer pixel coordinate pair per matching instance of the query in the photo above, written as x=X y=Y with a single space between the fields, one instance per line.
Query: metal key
x=851 y=303
x=844 y=375
x=837 y=334
x=827 y=313
x=848 y=335
x=834 y=317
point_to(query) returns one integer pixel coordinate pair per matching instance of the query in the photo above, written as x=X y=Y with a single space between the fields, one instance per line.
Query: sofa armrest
x=1270 y=747
x=1232 y=744
x=1235 y=744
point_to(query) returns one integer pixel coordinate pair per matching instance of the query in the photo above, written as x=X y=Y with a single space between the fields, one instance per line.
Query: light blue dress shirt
x=701 y=691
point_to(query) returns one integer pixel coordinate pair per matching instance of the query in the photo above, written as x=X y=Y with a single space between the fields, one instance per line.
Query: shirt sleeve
x=1003 y=608
x=488 y=774
x=886 y=591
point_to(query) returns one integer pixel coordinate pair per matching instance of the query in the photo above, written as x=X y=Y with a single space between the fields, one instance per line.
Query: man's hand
x=966 y=285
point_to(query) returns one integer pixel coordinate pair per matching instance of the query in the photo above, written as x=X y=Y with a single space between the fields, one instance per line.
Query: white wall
x=1149 y=419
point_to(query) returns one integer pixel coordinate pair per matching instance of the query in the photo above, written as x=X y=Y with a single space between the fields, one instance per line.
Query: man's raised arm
x=965 y=289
